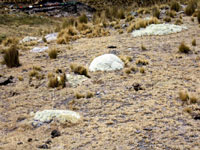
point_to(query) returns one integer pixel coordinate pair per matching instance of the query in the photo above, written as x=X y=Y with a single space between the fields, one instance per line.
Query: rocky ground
x=118 y=116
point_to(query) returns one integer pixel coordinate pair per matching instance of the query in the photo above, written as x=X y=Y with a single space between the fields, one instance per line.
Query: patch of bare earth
x=117 y=117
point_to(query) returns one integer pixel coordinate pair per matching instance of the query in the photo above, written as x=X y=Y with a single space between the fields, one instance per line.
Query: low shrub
x=175 y=6
x=53 y=53
x=190 y=9
x=183 y=48
x=11 y=57
x=156 y=12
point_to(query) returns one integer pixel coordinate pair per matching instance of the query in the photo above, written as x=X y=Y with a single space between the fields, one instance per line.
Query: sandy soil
x=117 y=117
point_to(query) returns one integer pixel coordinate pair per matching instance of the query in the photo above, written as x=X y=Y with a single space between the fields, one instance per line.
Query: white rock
x=51 y=37
x=158 y=29
x=62 y=116
x=28 y=39
x=106 y=62
x=39 y=49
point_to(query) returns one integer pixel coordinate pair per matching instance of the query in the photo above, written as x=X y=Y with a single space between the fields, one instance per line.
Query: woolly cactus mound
x=62 y=116
x=158 y=29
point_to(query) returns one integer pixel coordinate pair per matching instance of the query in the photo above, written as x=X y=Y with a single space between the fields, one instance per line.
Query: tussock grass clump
x=171 y=13
x=79 y=95
x=2 y=37
x=142 y=70
x=69 y=22
x=184 y=97
x=127 y=70
x=53 y=53
x=142 y=23
x=183 y=48
x=53 y=82
x=175 y=5
x=37 y=68
x=10 y=41
x=143 y=47
x=198 y=16
x=61 y=80
x=33 y=73
x=194 y=42
x=190 y=9
x=193 y=99
x=83 y=18
x=178 y=22
x=156 y=12
x=78 y=69
x=113 y=12
x=188 y=110
x=20 y=78
x=120 y=14
x=11 y=57
x=167 y=19
x=142 y=62
x=129 y=18
x=57 y=80
x=89 y=94
x=125 y=59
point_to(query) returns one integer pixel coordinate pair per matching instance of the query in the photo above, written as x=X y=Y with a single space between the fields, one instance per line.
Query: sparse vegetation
x=194 y=42
x=193 y=99
x=188 y=110
x=2 y=37
x=198 y=16
x=125 y=59
x=57 y=80
x=37 y=68
x=11 y=57
x=79 y=95
x=175 y=5
x=184 y=97
x=10 y=41
x=142 y=62
x=183 y=48
x=142 y=23
x=190 y=9
x=53 y=53
x=33 y=73
x=178 y=22
x=171 y=13
x=23 y=19
x=83 y=18
x=142 y=70
x=53 y=82
x=127 y=70
x=89 y=94
x=156 y=12
x=20 y=78
x=167 y=19
x=78 y=69
x=143 y=47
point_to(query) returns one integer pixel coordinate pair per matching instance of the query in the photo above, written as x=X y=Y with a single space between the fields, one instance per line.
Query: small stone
x=48 y=141
x=19 y=143
x=30 y=140
x=137 y=87
x=112 y=46
x=44 y=146
x=55 y=133
x=197 y=117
